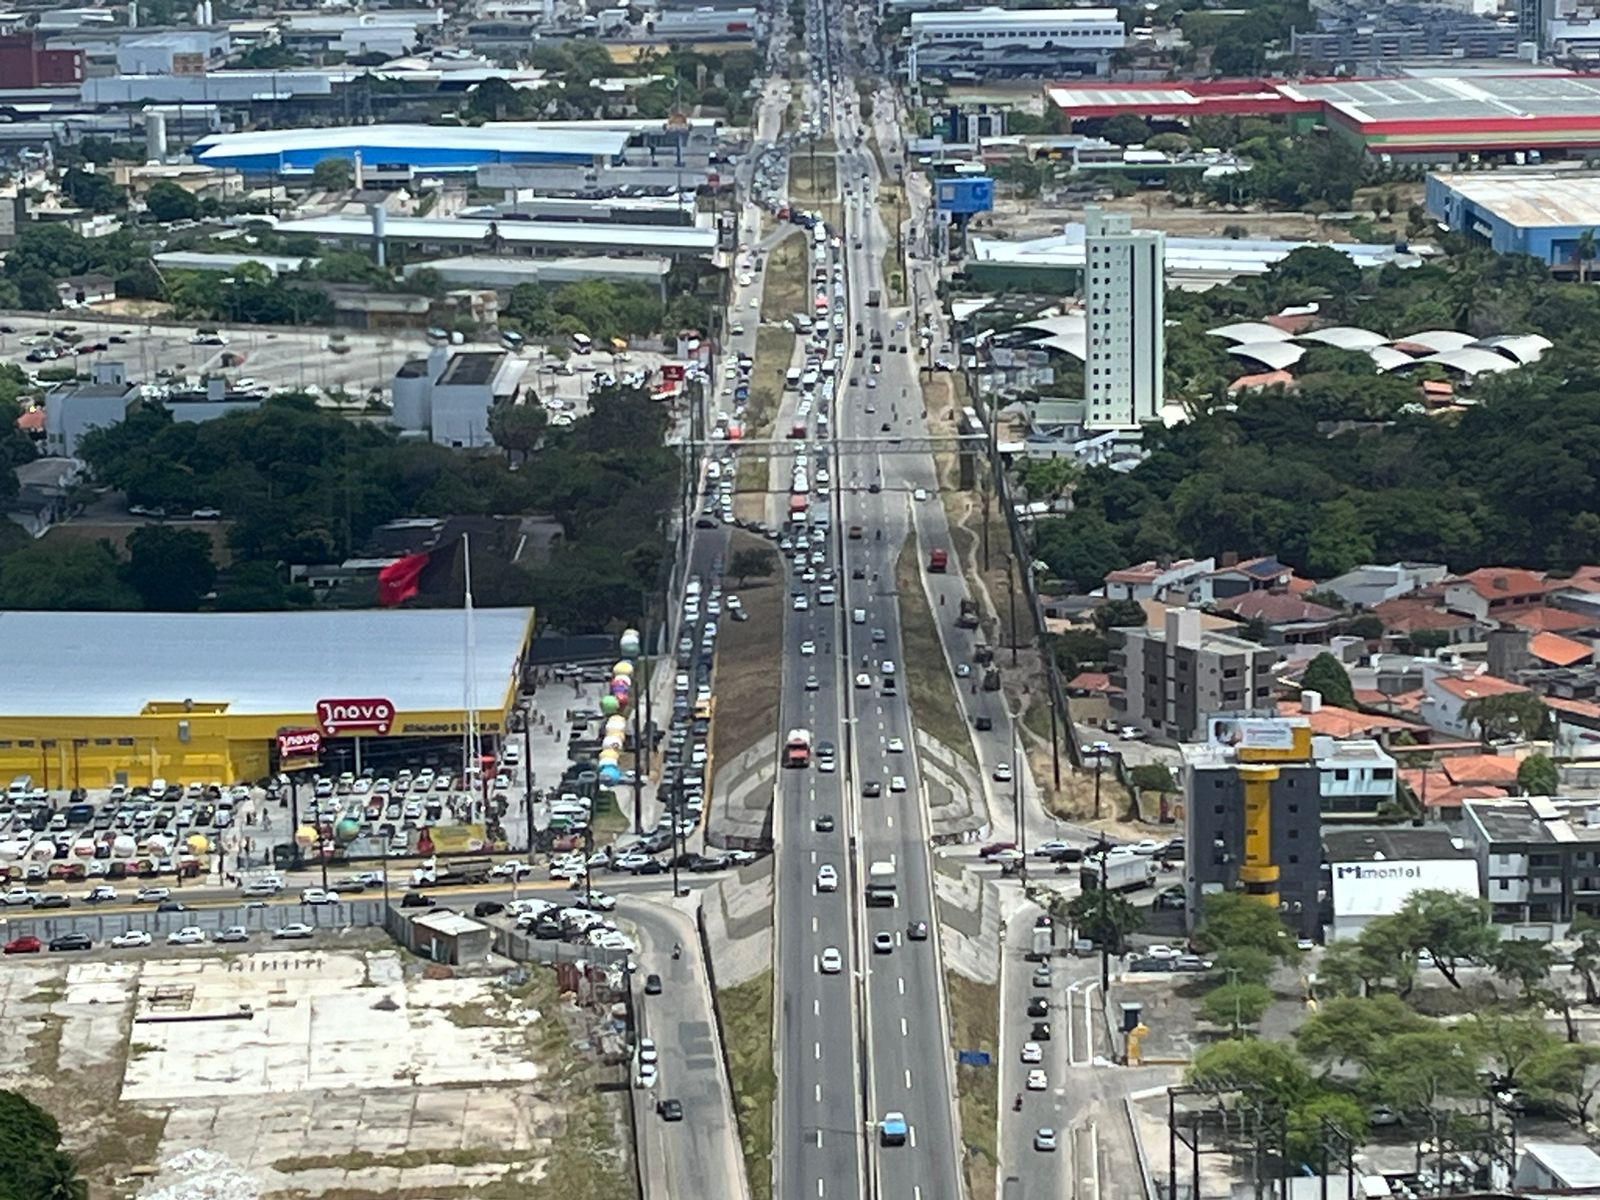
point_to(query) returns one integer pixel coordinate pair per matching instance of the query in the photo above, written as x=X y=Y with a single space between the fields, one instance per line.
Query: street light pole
x=1104 y=847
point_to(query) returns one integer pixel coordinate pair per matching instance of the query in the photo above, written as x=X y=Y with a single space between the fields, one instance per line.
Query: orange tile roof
x=1563 y=652
x=1276 y=608
x=1265 y=379
x=1434 y=789
x=1091 y=681
x=1494 y=769
x=32 y=420
x=1369 y=696
x=1408 y=614
x=1578 y=708
x=1552 y=620
x=1478 y=686
x=1494 y=583
x=1332 y=721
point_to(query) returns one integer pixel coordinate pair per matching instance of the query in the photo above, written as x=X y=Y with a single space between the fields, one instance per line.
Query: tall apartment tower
x=1125 y=286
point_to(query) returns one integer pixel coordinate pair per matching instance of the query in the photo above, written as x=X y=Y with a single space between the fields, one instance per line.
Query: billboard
x=1250 y=733
x=1378 y=888
x=302 y=746
x=346 y=718
x=964 y=194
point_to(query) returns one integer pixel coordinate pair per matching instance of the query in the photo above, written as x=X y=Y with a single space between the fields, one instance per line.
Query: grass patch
x=774 y=351
x=747 y=1034
x=363 y=1160
x=748 y=689
x=930 y=691
x=813 y=179
x=127 y=1136
x=974 y=1026
x=785 y=286
x=750 y=487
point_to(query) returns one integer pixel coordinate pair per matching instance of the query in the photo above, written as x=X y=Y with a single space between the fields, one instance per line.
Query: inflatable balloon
x=630 y=642
x=83 y=848
x=608 y=705
x=42 y=851
x=157 y=846
x=616 y=725
x=620 y=687
x=624 y=669
x=305 y=836
x=609 y=754
x=610 y=773
x=123 y=846
x=13 y=850
x=346 y=831
x=612 y=741
x=197 y=844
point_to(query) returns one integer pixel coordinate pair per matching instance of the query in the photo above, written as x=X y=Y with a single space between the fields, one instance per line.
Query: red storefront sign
x=300 y=743
x=342 y=718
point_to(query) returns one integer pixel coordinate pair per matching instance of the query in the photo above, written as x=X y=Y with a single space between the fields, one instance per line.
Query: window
x=1218 y=810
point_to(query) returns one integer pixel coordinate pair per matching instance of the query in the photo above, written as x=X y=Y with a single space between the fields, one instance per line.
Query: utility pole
x=527 y=775
x=1011 y=602
x=1104 y=848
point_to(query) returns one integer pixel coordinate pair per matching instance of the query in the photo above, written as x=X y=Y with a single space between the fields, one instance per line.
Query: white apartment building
x=1021 y=43
x=1125 y=287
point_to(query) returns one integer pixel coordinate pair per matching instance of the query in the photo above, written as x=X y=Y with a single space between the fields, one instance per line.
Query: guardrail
x=257 y=918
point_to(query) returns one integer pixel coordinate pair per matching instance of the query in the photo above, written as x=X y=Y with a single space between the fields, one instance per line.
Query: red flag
x=397 y=582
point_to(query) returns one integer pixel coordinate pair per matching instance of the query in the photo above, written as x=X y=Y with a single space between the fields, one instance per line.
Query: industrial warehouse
x=94 y=699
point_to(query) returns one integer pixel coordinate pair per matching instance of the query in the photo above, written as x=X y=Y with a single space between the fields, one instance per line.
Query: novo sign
x=342 y=718
x=1379 y=887
x=299 y=743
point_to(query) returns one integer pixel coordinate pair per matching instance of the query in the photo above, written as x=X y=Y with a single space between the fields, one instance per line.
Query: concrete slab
x=741 y=795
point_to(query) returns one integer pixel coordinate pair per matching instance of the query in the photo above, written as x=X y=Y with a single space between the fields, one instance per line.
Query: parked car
x=26 y=944
x=233 y=933
x=189 y=935
x=131 y=939
x=71 y=941
x=294 y=929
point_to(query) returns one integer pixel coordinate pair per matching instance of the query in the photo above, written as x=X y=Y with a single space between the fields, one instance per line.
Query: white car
x=919 y=493
x=1145 y=847
x=515 y=869
x=648 y=1056
x=863 y=680
x=801 y=602
x=1038 y=1081
x=1002 y=773
x=646 y=1077
x=189 y=935
x=897 y=783
x=888 y=666
x=597 y=902
x=832 y=962
x=313 y=895
x=895 y=746
x=294 y=929
x=1032 y=1052
x=808 y=648
x=827 y=879
x=131 y=939
x=233 y=933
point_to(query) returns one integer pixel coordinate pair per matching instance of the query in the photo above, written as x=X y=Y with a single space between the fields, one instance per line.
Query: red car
x=26 y=944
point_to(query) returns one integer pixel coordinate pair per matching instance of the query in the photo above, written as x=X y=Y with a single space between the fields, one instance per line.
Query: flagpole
x=472 y=749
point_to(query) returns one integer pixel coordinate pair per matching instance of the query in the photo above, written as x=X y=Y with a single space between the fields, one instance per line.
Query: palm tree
x=1584 y=249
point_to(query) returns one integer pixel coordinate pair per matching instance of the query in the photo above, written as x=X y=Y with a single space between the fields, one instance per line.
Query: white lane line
x=911 y=1133
x=904 y=1030
x=902 y=983
x=813 y=919
x=816 y=1007
x=908 y=1079
x=889 y=820
x=817 y=1093
x=819 y=1187
x=816 y=1051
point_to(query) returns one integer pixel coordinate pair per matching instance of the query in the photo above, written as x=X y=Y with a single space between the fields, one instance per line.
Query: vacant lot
x=774 y=351
x=747 y=1033
x=974 y=1026
x=748 y=678
x=312 y=1073
x=786 y=287
x=929 y=688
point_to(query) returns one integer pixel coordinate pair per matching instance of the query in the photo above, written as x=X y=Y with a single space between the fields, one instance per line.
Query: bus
x=582 y=343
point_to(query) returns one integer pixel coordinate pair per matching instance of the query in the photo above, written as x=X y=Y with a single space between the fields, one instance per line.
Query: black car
x=416 y=900
x=172 y=906
x=1041 y=1031
x=872 y=789
x=487 y=908
x=1038 y=1006
x=982 y=724
x=653 y=867
x=652 y=985
x=824 y=823
x=52 y=902
x=1173 y=899
x=1067 y=854
x=917 y=931
x=670 y=1109
x=71 y=941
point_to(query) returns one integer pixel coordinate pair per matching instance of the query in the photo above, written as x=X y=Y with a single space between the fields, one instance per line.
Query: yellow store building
x=88 y=699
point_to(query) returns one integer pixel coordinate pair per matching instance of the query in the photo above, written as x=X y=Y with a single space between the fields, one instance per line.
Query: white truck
x=1123 y=873
x=880 y=883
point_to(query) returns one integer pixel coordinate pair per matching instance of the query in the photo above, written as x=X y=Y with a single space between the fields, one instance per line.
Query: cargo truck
x=443 y=872
x=874 y=297
x=938 y=562
x=969 y=615
x=1124 y=873
x=797 y=748
x=880 y=884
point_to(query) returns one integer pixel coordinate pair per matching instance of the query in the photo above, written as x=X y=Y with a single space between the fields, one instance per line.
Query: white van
x=20 y=787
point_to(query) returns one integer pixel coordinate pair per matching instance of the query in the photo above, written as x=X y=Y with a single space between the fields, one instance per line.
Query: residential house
x=1150 y=579
x=1236 y=577
x=1174 y=676
x=1370 y=585
x=1538 y=861
x=1482 y=770
x=73 y=409
x=1447 y=692
x=1343 y=724
x=80 y=291
x=1553 y=650
x=1441 y=800
x=1090 y=693
x=1577 y=726
x=1286 y=617
x=1493 y=593
x=1555 y=620
x=1406 y=616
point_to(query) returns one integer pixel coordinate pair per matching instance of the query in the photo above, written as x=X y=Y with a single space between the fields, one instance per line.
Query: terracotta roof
x=1563 y=652
x=1439 y=793
x=1410 y=614
x=1478 y=686
x=1091 y=681
x=1437 y=387
x=1552 y=620
x=32 y=420
x=1293 y=322
x=1369 y=696
x=1577 y=708
x=1332 y=721
x=1496 y=583
x=1495 y=770
x=1276 y=608
x=1266 y=379
x=1146 y=571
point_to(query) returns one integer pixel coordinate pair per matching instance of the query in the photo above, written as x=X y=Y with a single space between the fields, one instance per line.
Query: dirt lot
x=342 y=1073
x=748 y=680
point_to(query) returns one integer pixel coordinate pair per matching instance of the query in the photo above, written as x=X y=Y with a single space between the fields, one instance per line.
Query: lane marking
x=816 y=1051
x=904 y=1031
x=902 y=983
x=908 y=1079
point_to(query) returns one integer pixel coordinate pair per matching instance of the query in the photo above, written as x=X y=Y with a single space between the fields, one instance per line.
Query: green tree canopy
x=335 y=174
x=170 y=568
x=166 y=201
x=1326 y=675
x=1537 y=776
x=1234 y=920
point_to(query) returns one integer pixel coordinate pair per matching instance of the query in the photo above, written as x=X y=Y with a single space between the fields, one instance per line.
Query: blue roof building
x=1539 y=213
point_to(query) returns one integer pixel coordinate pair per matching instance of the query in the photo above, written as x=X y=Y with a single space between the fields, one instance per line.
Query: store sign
x=299 y=743
x=343 y=718
x=1251 y=733
x=1379 y=888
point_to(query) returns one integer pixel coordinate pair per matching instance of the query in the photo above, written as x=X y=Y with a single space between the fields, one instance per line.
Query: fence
x=256 y=918
x=519 y=947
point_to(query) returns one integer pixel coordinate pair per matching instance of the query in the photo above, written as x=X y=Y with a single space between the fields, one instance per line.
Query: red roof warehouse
x=1400 y=117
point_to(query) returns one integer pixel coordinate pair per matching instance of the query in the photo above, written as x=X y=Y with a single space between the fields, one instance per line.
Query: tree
x=1232 y=919
x=1338 y=541
x=1381 y=954
x=1308 y=1122
x=95 y=192
x=1273 y=1069
x=1104 y=917
x=1451 y=927
x=1565 y=1077
x=1523 y=962
x=1125 y=129
x=1236 y=1005
x=1250 y=964
x=1584 y=250
x=1119 y=614
x=259 y=587
x=1051 y=478
x=1510 y=1042
x=334 y=174
x=1353 y=1030
x=1415 y=1071
x=166 y=201
x=1506 y=716
x=1326 y=676
x=1537 y=776
x=1585 y=931
x=32 y=1164
x=36 y=289
x=517 y=428
x=171 y=569
x=751 y=563
x=54 y=574
x=1152 y=777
